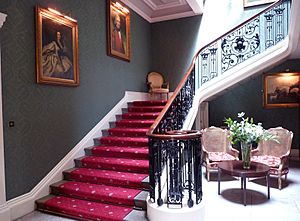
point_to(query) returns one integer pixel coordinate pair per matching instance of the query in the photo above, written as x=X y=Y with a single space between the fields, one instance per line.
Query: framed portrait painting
x=56 y=48
x=118 y=30
x=281 y=90
x=249 y=3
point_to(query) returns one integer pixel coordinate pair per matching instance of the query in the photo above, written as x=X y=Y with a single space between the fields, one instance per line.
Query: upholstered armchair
x=157 y=85
x=275 y=154
x=216 y=147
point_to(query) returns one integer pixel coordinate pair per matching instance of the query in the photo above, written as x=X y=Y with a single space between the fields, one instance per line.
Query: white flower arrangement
x=246 y=131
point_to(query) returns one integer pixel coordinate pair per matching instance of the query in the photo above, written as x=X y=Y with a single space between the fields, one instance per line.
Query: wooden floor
x=284 y=205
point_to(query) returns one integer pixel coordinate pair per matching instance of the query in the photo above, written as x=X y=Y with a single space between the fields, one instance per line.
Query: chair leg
x=207 y=174
x=279 y=181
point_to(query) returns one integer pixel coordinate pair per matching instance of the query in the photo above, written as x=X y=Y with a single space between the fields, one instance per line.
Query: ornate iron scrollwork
x=176 y=114
x=174 y=173
x=209 y=63
x=177 y=158
x=258 y=34
x=240 y=45
x=275 y=27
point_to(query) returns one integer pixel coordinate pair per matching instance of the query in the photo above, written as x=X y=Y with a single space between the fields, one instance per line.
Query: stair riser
x=133 y=124
x=145 y=109
x=139 y=117
x=126 y=152
x=127 y=134
x=132 y=216
x=94 y=198
x=130 y=124
x=101 y=211
x=105 y=181
x=120 y=143
x=103 y=166
x=147 y=103
x=144 y=156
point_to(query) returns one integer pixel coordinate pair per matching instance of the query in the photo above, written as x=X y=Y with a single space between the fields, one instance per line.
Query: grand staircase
x=111 y=181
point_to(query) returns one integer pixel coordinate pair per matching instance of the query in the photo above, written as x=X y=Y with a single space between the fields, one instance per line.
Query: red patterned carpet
x=110 y=182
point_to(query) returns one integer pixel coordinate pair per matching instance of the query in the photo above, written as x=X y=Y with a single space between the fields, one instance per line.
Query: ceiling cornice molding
x=144 y=8
x=155 y=7
x=172 y=16
x=137 y=10
x=196 y=5
x=150 y=4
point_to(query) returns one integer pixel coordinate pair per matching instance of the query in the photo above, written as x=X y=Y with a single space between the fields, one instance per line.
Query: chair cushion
x=219 y=156
x=271 y=161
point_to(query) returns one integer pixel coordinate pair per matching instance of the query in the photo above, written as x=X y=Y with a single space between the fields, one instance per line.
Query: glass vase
x=246 y=154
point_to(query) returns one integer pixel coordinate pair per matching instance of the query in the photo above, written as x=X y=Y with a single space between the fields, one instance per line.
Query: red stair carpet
x=110 y=183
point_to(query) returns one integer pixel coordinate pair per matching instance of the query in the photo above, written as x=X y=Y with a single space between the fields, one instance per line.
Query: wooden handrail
x=177 y=135
x=187 y=74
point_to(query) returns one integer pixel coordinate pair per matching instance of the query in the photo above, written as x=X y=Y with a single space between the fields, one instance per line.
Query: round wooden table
x=235 y=168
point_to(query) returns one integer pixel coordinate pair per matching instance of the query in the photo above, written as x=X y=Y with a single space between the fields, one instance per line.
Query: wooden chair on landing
x=216 y=147
x=157 y=85
x=275 y=154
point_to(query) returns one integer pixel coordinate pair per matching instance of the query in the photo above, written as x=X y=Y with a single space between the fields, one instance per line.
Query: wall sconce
x=60 y=14
x=120 y=8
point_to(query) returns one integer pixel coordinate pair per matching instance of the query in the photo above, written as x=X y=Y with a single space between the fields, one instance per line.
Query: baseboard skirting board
x=24 y=204
x=4 y=212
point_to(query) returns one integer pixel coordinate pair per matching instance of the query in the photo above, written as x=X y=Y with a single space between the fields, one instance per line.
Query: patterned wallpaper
x=51 y=120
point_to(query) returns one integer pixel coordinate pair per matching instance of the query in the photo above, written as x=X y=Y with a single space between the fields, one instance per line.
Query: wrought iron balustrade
x=175 y=161
x=243 y=42
x=250 y=38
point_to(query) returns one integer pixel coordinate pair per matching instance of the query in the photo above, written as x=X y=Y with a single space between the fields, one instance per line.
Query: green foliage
x=246 y=131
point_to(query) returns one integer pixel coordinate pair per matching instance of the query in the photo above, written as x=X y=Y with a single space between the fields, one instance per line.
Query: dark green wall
x=248 y=98
x=173 y=47
x=51 y=120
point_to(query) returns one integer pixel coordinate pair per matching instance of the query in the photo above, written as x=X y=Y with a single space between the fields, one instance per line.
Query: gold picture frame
x=56 y=48
x=118 y=30
x=249 y=3
x=281 y=90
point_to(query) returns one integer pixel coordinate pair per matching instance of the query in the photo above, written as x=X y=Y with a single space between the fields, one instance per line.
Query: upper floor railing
x=250 y=38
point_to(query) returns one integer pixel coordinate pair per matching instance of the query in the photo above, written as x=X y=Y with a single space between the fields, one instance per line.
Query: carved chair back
x=215 y=139
x=155 y=79
x=277 y=149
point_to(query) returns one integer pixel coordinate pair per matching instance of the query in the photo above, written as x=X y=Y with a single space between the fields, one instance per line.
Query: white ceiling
x=161 y=10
